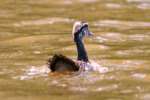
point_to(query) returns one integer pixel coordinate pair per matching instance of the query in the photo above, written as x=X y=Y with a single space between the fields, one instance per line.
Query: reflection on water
x=31 y=31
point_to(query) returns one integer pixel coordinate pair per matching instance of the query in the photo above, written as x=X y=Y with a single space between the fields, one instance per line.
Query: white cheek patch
x=82 y=28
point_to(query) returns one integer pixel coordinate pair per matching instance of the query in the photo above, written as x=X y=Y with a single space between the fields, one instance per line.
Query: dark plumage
x=62 y=63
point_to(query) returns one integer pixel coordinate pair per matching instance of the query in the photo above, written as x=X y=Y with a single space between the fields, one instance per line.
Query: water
x=32 y=31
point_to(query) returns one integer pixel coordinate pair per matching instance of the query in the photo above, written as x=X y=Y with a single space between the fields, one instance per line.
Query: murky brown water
x=32 y=31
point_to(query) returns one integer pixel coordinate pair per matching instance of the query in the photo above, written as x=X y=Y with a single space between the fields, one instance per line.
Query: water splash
x=99 y=68
x=43 y=71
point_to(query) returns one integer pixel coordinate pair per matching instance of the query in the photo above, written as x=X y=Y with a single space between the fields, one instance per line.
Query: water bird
x=61 y=63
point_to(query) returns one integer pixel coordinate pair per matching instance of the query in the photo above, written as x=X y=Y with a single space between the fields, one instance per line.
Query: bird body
x=60 y=63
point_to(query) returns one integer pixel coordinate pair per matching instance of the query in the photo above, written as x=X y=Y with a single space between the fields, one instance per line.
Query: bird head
x=81 y=28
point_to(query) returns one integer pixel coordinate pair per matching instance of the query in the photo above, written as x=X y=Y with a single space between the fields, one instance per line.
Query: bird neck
x=82 y=54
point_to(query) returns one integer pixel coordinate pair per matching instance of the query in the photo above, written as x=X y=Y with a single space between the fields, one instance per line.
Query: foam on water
x=93 y=66
x=99 y=68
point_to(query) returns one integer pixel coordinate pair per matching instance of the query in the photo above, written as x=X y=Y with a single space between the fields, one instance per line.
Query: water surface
x=31 y=31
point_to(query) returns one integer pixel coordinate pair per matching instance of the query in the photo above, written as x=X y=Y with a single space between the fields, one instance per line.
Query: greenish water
x=31 y=31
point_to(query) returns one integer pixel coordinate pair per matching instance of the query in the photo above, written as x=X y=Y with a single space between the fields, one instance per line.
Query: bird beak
x=87 y=32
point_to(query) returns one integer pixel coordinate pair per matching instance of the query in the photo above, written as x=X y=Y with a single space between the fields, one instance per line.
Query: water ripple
x=140 y=1
x=121 y=24
x=42 y=22
x=113 y=5
x=144 y=6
